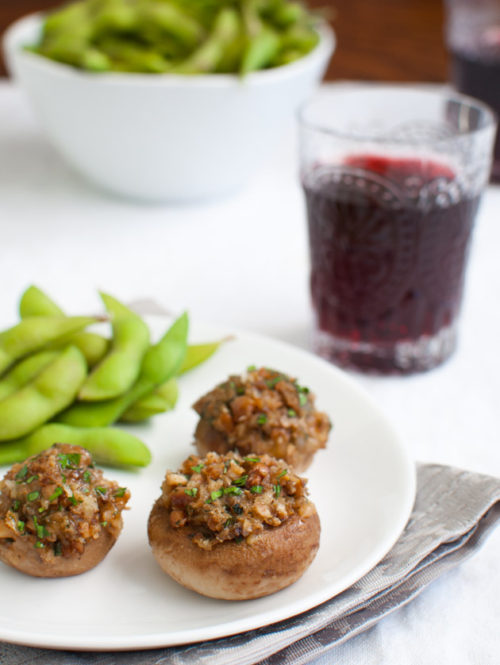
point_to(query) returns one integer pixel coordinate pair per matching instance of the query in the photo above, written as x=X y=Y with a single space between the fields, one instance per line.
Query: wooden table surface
x=378 y=40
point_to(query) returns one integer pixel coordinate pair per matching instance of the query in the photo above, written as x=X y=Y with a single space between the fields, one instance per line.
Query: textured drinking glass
x=473 y=39
x=392 y=179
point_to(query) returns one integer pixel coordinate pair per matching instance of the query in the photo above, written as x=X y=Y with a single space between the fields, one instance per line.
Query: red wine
x=388 y=246
x=478 y=75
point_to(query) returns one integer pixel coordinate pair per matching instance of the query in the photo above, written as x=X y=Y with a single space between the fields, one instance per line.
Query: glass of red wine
x=392 y=177
x=473 y=38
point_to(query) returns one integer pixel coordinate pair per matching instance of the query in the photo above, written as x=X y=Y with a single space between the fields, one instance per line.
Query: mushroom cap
x=258 y=566
x=22 y=555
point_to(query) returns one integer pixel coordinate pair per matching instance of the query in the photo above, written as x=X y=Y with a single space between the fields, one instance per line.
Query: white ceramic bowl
x=162 y=137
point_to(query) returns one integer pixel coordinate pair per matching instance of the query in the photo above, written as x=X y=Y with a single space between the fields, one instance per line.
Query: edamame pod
x=137 y=413
x=35 y=302
x=24 y=371
x=198 y=353
x=107 y=445
x=161 y=362
x=120 y=368
x=208 y=56
x=162 y=399
x=52 y=390
x=36 y=332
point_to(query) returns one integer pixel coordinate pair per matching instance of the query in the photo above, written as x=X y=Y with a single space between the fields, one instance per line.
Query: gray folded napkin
x=454 y=511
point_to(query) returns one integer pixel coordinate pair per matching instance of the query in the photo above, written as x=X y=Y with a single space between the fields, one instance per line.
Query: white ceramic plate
x=363 y=485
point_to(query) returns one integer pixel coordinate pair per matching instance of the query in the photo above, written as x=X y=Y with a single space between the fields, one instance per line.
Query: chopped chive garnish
x=104 y=524
x=257 y=489
x=191 y=491
x=20 y=526
x=33 y=496
x=57 y=492
x=251 y=368
x=277 y=490
x=233 y=490
x=120 y=492
x=241 y=480
x=21 y=475
x=86 y=476
x=251 y=459
x=16 y=505
x=101 y=490
x=302 y=399
x=216 y=494
x=39 y=545
x=228 y=523
x=69 y=461
x=41 y=531
x=272 y=382
x=282 y=473
x=31 y=479
x=73 y=500
x=291 y=413
x=261 y=419
x=197 y=468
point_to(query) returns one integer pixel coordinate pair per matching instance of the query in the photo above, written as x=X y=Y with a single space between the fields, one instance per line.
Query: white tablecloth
x=242 y=262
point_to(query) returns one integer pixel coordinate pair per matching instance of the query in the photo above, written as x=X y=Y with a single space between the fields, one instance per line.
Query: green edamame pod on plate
x=137 y=413
x=120 y=368
x=108 y=445
x=36 y=332
x=161 y=362
x=196 y=354
x=25 y=370
x=162 y=399
x=35 y=302
x=52 y=390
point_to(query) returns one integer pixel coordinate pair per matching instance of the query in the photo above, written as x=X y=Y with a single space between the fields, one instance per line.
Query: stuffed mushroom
x=264 y=411
x=234 y=527
x=59 y=516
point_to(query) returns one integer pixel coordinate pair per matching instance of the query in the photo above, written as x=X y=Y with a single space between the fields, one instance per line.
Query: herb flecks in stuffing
x=229 y=497
x=263 y=411
x=58 y=501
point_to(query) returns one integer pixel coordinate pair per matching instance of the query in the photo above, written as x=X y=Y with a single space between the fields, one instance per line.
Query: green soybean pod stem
x=36 y=332
x=108 y=445
x=120 y=368
x=52 y=390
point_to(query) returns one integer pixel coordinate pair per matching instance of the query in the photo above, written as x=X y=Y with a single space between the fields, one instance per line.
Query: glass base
x=404 y=357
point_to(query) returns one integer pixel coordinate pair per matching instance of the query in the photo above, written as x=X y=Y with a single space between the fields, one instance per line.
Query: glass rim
x=490 y=122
